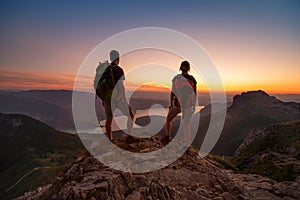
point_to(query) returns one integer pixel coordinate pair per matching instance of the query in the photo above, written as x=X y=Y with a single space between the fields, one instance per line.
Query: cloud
x=10 y=79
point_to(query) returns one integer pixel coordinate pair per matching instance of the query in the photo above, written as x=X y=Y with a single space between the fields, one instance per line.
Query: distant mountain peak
x=255 y=92
x=252 y=94
x=249 y=110
x=257 y=97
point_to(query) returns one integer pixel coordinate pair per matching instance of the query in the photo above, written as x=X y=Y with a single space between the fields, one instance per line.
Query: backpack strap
x=108 y=73
x=112 y=73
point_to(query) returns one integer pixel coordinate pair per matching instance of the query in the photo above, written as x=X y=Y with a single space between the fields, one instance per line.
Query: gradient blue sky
x=255 y=44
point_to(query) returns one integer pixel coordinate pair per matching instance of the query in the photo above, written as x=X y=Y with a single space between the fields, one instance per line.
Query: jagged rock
x=190 y=177
x=259 y=187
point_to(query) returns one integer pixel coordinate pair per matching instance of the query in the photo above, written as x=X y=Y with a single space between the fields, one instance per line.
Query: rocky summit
x=190 y=177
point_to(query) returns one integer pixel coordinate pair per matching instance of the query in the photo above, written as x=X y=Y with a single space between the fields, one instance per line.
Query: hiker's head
x=185 y=66
x=114 y=56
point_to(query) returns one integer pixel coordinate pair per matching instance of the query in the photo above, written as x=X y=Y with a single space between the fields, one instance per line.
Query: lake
x=119 y=122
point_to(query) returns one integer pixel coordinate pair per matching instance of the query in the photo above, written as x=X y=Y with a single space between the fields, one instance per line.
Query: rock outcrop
x=190 y=177
x=272 y=151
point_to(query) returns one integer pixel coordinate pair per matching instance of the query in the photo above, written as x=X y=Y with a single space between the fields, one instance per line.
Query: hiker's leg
x=173 y=112
x=187 y=115
x=187 y=130
x=130 y=120
x=168 y=126
x=109 y=118
x=123 y=106
x=108 y=127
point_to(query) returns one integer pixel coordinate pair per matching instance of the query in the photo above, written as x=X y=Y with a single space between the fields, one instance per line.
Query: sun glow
x=154 y=70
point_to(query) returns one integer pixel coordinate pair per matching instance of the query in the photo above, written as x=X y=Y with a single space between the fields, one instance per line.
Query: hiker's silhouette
x=113 y=93
x=182 y=99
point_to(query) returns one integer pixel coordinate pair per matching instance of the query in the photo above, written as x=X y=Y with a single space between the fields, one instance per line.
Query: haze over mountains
x=249 y=110
x=254 y=135
x=54 y=107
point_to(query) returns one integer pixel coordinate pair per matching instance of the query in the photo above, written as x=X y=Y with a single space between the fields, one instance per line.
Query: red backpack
x=185 y=90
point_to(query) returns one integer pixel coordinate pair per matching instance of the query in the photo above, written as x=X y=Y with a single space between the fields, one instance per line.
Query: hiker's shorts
x=174 y=111
x=120 y=104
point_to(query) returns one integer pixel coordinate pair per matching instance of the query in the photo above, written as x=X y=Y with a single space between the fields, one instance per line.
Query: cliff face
x=190 y=177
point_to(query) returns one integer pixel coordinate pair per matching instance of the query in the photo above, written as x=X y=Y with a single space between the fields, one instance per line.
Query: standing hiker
x=182 y=99
x=110 y=89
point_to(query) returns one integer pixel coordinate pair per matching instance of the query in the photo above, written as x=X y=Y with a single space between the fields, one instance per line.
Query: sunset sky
x=254 y=44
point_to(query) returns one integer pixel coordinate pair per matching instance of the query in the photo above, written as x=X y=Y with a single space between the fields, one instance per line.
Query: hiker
x=182 y=99
x=118 y=100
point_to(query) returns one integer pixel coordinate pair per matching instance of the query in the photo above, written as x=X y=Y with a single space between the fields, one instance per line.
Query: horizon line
x=147 y=90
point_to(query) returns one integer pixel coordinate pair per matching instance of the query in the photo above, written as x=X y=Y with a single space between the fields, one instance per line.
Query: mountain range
x=250 y=110
x=54 y=107
x=51 y=107
x=256 y=157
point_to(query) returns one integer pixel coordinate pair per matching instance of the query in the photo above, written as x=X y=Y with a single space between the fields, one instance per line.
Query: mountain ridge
x=254 y=109
x=32 y=153
x=272 y=151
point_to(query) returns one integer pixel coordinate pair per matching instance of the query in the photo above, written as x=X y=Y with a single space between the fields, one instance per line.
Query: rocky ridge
x=190 y=177
x=272 y=151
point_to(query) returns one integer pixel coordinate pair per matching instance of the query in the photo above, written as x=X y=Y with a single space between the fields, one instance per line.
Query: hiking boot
x=168 y=139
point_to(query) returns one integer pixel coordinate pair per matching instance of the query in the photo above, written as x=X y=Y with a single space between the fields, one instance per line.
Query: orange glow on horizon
x=54 y=81
x=149 y=88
